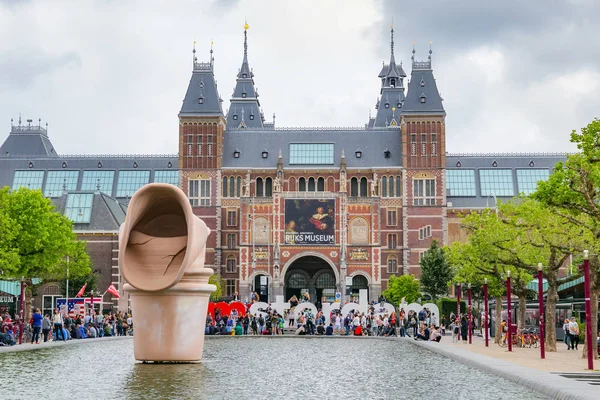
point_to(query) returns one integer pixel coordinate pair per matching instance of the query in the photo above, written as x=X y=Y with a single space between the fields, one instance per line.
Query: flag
x=113 y=290
x=80 y=293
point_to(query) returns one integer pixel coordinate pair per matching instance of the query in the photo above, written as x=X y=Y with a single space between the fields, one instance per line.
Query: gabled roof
x=422 y=85
x=27 y=140
x=202 y=96
x=107 y=215
x=394 y=98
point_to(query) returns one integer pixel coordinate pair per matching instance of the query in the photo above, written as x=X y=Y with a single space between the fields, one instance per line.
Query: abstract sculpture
x=162 y=247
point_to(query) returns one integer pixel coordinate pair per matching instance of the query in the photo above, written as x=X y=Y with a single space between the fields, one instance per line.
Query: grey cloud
x=18 y=70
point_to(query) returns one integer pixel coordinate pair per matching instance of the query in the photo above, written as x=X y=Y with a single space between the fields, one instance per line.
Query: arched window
x=311 y=184
x=384 y=187
x=297 y=280
x=321 y=185
x=232 y=187
x=398 y=183
x=239 y=186
x=359 y=282
x=325 y=281
x=268 y=187
x=230 y=263
x=391 y=183
x=392 y=263
x=224 y=186
x=259 y=187
x=302 y=185
x=363 y=187
x=354 y=187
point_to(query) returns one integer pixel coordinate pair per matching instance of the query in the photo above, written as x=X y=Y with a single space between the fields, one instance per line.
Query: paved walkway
x=553 y=385
x=59 y=343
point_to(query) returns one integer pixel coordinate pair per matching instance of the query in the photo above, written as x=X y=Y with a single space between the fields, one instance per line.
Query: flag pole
x=67 y=294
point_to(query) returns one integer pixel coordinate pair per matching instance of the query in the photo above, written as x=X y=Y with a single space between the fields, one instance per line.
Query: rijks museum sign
x=310 y=221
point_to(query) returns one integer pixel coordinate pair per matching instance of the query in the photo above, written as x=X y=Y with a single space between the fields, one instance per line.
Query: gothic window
x=302 y=185
x=384 y=187
x=311 y=184
x=238 y=186
x=259 y=187
x=224 y=186
x=391 y=182
x=354 y=187
x=363 y=187
x=321 y=185
x=398 y=191
x=232 y=187
x=268 y=187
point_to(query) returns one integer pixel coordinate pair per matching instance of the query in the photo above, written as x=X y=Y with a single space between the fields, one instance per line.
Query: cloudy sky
x=109 y=76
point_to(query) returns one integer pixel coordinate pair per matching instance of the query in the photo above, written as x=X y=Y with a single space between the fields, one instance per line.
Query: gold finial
x=194 y=42
x=393 y=109
x=246 y=26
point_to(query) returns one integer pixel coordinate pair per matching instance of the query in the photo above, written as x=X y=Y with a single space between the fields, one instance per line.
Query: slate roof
x=107 y=213
x=202 y=96
x=27 y=139
x=422 y=85
x=372 y=143
x=394 y=97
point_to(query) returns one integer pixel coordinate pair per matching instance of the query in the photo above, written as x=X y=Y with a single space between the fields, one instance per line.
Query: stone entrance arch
x=313 y=273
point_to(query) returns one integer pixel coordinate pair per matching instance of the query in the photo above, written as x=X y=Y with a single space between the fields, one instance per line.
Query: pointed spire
x=430 y=51
x=413 y=52
x=246 y=42
x=212 y=59
x=194 y=58
x=392 y=59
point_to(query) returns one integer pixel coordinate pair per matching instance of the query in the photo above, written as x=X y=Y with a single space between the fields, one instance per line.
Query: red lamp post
x=485 y=305
x=541 y=304
x=509 y=318
x=92 y=312
x=21 y=311
x=588 y=310
x=470 y=311
x=458 y=301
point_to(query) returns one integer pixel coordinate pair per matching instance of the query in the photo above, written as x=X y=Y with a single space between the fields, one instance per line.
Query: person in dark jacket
x=464 y=329
x=36 y=324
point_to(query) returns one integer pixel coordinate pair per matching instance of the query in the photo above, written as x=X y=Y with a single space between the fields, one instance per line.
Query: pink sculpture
x=162 y=247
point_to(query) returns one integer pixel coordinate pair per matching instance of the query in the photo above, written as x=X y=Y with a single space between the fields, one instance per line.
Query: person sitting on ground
x=329 y=330
x=301 y=330
x=82 y=331
x=107 y=330
x=358 y=331
x=93 y=331
x=424 y=334
x=320 y=329
x=435 y=336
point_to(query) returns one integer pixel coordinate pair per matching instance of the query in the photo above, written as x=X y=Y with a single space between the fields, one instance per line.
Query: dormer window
x=358 y=153
x=422 y=83
x=64 y=164
x=235 y=117
x=243 y=95
x=494 y=164
x=201 y=84
x=244 y=75
x=387 y=153
x=399 y=105
x=265 y=153
x=251 y=116
x=387 y=105
x=393 y=83
x=200 y=100
x=236 y=153
x=422 y=98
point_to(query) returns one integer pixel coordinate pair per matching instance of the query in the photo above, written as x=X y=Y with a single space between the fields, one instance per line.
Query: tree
x=216 y=280
x=402 y=286
x=76 y=283
x=36 y=240
x=436 y=273
x=573 y=189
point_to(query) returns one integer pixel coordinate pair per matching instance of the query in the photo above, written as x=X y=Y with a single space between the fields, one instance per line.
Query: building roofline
x=507 y=154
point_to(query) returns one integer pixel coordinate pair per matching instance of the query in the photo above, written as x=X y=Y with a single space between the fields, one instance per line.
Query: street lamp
x=470 y=315
x=588 y=310
x=485 y=304
x=509 y=318
x=541 y=304
x=458 y=301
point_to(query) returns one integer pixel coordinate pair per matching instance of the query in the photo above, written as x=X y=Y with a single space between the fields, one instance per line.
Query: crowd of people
x=58 y=326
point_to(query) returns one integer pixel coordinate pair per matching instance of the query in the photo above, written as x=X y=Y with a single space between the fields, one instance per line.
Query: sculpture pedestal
x=169 y=324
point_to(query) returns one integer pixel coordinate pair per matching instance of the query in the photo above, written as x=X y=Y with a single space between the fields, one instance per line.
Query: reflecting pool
x=252 y=368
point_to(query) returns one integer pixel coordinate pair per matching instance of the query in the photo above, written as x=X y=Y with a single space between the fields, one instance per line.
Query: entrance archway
x=311 y=274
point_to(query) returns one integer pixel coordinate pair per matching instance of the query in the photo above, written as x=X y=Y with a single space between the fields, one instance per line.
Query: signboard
x=309 y=221
x=359 y=255
x=338 y=297
x=348 y=281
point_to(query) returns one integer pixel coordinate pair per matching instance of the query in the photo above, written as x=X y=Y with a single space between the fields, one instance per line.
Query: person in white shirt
x=574 y=333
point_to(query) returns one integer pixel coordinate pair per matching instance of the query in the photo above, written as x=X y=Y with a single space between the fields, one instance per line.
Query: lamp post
x=458 y=301
x=509 y=318
x=92 y=304
x=21 y=310
x=588 y=310
x=541 y=305
x=485 y=305
x=470 y=311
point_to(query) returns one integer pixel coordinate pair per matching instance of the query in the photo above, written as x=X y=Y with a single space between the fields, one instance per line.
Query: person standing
x=46 y=327
x=567 y=335
x=57 y=321
x=37 y=319
x=574 y=333
x=464 y=329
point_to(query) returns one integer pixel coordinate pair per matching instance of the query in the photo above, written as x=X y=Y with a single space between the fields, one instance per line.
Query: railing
x=28 y=129
x=507 y=154
x=199 y=66
x=421 y=64
x=90 y=156
x=316 y=128
x=309 y=195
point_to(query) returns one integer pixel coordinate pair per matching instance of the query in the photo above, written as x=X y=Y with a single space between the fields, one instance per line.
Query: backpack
x=261 y=320
x=456 y=330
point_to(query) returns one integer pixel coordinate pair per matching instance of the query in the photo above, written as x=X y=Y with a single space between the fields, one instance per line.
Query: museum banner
x=309 y=221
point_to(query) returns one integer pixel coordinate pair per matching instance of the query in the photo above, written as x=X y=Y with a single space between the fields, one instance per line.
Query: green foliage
x=436 y=273
x=447 y=306
x=402 y=286
x=76 y=283
x=35 y=240
x=216 y=280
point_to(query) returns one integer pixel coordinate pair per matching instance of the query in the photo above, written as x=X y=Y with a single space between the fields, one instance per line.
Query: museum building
x=321 y=210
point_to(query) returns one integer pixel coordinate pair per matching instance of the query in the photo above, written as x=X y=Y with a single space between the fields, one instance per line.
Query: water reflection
x=161 y=381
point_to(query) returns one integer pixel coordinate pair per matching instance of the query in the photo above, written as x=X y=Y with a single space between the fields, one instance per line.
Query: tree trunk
x=498 y=328
x=550 y=315
x=522 y=308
